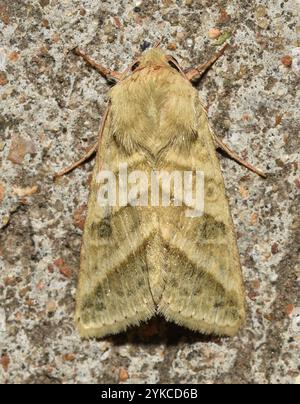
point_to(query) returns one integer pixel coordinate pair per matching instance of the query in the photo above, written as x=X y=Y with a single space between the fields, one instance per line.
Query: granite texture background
x=51 y=105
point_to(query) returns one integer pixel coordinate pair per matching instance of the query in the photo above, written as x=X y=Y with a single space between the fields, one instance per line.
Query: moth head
x=155 y=57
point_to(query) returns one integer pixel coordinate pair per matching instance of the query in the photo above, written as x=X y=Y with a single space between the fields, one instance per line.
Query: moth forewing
x=140 y=260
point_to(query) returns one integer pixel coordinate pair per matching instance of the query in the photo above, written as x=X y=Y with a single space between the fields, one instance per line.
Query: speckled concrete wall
x=51 y=104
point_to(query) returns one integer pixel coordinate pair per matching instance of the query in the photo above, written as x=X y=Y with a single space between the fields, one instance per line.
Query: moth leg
x=196 y=73
x=89 y=153
x=104 y=71
x=78 y=163
x=235 y=157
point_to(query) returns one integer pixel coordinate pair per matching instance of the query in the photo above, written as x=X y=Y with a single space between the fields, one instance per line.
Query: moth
x=138 y=261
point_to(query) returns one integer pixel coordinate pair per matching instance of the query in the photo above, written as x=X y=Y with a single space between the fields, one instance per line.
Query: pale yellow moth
x=137 y=261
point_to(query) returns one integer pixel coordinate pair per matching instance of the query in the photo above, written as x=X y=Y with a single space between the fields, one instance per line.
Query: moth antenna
x=195 y=74
x=104 y=71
